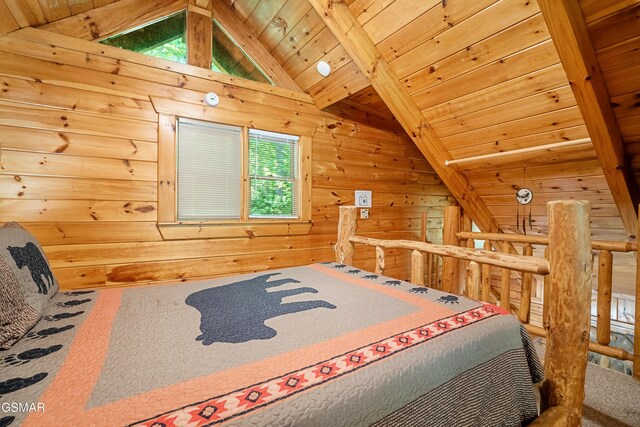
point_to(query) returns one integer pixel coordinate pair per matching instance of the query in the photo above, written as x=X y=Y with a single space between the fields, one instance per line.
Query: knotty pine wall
x=78 y=167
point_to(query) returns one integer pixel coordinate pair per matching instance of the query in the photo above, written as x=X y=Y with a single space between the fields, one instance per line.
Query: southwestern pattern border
x=222 y=408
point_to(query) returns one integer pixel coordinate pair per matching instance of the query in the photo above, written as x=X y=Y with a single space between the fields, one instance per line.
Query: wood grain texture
x=199 y=38
x=605 y=276
x=106 y=21
x=571 y=38
x=450 y=265
x=250 y=44
x=90 y=190
x=567 y=323
x=364 y=53
x=417 y=267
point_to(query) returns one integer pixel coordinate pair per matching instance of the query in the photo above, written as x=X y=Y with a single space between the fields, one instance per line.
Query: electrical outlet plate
x=364 y=213
x=363 y=199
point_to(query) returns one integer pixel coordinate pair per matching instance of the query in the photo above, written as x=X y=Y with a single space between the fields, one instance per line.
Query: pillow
x=26 y=283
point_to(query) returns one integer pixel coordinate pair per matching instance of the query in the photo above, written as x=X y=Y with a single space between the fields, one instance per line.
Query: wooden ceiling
x=484 y=74
x=26 y=13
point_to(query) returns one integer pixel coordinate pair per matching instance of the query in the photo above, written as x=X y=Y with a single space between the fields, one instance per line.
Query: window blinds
x=209 y=173
x=273 y=174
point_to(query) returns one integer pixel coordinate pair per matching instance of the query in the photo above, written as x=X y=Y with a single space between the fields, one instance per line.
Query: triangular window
x=228 y=58
x=164 y=39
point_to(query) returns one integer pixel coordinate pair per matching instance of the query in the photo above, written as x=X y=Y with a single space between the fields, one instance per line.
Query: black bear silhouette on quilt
x=236 y=313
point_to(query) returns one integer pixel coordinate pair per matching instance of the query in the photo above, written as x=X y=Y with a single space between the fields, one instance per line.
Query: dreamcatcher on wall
x=524 y=197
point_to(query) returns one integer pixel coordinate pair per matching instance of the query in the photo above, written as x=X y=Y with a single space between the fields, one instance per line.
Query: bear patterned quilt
x=321 y=345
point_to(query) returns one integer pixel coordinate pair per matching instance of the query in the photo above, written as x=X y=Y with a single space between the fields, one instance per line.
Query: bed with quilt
x=320 y=345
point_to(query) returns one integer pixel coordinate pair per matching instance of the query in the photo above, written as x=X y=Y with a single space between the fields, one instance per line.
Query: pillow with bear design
x=26 y=283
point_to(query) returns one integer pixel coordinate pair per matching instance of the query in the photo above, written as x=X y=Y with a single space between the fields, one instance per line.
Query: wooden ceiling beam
x=199 y=37
x=366 y=56
x=252 y=47
x=114 y=18
x=571 y=38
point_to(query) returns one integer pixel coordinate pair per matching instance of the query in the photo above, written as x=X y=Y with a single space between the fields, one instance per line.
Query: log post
x=605 y=276
x=423 y=238
x=636 y=341
x=417 y=268
x=525 y=295
x=546 y=291
x=567 y=323
x=466 y=224
x=429 y=269
x=486 y=276
x=472 y=282
x=505 y=281
x=379 y=261
x=346 y=230
x=450 y=264
x=423 y=227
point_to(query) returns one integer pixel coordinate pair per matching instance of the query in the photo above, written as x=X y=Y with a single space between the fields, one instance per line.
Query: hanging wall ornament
x=524 y=196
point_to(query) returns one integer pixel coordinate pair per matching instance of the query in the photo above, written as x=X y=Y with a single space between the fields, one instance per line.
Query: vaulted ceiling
x=483 y=76
x=487 y=78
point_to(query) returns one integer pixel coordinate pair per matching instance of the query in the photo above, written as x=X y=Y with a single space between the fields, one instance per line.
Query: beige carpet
x=612 y=399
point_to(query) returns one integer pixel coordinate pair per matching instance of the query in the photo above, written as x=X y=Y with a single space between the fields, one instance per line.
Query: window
x=228 y=58
x=230 y=173
x=163 y=39
x=166 y=39
x=209 y=177
x=273 y=172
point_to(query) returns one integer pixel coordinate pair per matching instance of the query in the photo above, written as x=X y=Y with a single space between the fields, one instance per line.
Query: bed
x=325 y=344
x=321 y=345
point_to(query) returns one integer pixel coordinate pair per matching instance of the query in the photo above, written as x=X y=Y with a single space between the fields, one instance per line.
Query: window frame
x=169 y=225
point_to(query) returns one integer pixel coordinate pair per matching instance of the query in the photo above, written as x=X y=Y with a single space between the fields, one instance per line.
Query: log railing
x=568 y=268
x=604 y=289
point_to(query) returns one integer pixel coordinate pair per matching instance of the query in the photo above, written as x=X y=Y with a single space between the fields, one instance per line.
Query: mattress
x=320 y=345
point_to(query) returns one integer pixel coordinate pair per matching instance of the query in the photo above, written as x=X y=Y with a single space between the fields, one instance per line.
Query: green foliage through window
x=166 y=39
x=163 y=39
x=272 y=175
x=228 y=58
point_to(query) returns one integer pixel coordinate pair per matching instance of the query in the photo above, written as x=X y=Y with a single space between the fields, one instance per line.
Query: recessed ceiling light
x=323 y=68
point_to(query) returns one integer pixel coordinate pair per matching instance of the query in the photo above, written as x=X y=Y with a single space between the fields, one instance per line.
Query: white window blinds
x=209 y=172
x=273 y=175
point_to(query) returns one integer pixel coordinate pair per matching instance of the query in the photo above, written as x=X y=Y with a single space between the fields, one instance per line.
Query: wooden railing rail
x=618 y=353
x=512 y=262
x=544 y=240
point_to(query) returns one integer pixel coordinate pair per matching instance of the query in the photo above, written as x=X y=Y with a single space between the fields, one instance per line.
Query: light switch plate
x=363 y=199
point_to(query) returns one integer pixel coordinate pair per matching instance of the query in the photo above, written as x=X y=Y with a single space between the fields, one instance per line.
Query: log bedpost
x=605 y=276
x=417 y=268
x=346 y=230
x=450 y=264
x=567 y=323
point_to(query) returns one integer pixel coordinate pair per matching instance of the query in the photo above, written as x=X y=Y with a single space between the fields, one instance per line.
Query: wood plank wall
x=78 y=167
